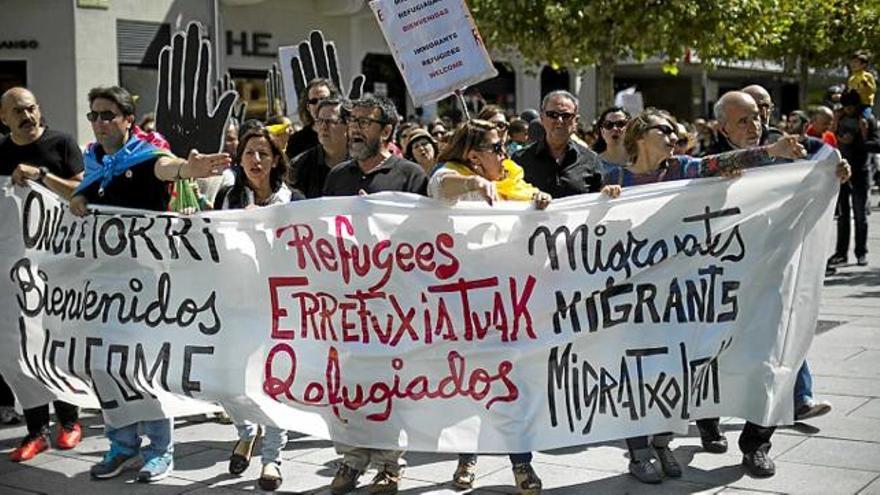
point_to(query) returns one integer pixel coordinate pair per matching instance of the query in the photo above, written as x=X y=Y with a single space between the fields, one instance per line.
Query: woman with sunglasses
x=610 y=128
x=474 y=167
x=259 y=181
x=496 y=115
x=649 y=141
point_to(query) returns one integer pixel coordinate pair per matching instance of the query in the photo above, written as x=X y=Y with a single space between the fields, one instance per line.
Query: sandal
x=241 y=455
x=465 y=474
x=270 y=477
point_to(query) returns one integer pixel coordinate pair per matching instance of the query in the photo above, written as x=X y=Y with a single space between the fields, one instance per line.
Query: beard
x=363 y=150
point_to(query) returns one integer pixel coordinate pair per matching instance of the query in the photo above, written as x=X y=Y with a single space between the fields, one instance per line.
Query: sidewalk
x=835 y=454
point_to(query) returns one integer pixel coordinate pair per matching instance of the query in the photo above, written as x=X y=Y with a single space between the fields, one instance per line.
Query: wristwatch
x=44 y=171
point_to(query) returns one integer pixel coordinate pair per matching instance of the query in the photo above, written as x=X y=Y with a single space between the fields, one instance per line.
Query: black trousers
x=752 y=438
x=37 y=418
x=853 y=205
x=6 y=396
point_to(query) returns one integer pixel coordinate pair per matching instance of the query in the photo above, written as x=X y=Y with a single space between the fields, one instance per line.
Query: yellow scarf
x=512 y=187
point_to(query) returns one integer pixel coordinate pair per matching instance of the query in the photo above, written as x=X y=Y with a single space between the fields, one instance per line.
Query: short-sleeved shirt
x=395 y=174
x=137 y=187
x=54 y=150
x=579 y=172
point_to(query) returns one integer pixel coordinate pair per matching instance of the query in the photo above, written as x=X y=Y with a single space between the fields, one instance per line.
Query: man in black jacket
x=559 y=165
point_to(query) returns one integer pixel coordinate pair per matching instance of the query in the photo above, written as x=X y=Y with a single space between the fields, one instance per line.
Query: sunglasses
x=496 y=147
x=553 y=115
x=105 y=116
x=314 y=101
x=608 y=125
x=663 y=128
x=682 y=142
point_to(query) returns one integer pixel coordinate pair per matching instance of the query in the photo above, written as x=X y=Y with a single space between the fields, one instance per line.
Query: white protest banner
x=436 y=45
x=393 y=320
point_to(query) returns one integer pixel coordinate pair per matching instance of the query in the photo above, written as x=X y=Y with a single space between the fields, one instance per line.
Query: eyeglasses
x=619 y=124
x=363 y=122
x=553 y=115
x=496 y=147
x=314 y=101
x=663 y=128
x=328 y=122
x=105 y=116
x=501 y=125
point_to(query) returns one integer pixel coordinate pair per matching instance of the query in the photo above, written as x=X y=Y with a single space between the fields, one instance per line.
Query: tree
x=823 y=34
x=578 y=33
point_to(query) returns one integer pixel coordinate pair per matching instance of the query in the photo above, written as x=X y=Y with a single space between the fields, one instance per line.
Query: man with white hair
x=741 y=125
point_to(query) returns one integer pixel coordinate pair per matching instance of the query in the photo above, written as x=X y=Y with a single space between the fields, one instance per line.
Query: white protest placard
x=436 y=45
x=396 y=321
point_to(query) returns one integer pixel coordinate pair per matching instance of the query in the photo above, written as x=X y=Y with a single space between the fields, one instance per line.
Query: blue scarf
x=134 y=152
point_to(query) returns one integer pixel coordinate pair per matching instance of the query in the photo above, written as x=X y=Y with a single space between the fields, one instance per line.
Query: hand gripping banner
x=395 y=321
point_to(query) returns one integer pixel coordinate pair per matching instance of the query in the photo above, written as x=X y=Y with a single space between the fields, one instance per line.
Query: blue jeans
x=803 y=386
x=274 y=440
x=127 y=441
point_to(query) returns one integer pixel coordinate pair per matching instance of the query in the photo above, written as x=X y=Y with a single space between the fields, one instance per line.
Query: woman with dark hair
x=609 y=131
x=259 y=175
x=307 y=137
x=259 y=181
x=649 y=141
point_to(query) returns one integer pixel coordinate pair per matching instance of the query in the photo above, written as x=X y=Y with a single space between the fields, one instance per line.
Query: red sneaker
x=68 y=439
x=29 y=448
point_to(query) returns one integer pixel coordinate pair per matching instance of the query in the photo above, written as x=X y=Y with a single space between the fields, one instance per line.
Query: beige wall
x=50 y=67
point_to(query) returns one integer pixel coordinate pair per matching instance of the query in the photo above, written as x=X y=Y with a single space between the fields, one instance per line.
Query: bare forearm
x=453 y=186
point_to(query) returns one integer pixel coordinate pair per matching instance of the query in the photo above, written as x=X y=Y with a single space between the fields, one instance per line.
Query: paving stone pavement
x=835 y=454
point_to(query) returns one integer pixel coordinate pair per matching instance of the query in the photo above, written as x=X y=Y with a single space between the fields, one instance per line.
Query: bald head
x=821 y=118
x=762 y=98
x=19 y=111
x=13 y=94
x=738 y=117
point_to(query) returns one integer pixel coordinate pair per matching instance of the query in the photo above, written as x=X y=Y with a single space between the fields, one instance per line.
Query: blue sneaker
x=112 y=464
x=157 y=468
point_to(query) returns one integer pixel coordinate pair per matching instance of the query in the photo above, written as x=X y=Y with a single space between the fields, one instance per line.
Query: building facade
x=62 y=48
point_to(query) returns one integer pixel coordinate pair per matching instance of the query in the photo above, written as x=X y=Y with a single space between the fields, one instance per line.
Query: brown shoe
x=345 y=480
x=465 y=474
x=527 y=482
x=385 y=483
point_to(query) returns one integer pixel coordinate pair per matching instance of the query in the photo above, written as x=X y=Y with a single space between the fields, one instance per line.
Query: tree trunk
x=803 y=81
x=604 y=84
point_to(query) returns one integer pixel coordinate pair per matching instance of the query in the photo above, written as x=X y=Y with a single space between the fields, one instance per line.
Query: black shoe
x=862 y=260
x=712 y=438
x=837 y=260
x=830 y=270
x=759 y=464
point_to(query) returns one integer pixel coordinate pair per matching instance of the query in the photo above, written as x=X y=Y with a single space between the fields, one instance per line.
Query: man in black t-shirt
x=31 y=151
x=371 y=122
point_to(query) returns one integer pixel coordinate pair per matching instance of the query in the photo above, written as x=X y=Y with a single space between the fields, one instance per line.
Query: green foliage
x=578 y=33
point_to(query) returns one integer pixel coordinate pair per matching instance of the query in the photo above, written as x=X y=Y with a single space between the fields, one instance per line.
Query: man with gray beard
x=372 y=168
